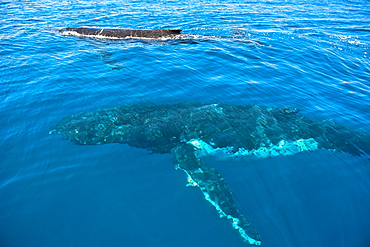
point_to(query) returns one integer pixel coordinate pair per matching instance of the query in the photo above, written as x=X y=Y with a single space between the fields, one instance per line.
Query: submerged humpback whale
x=120 y=33
x=192 y=130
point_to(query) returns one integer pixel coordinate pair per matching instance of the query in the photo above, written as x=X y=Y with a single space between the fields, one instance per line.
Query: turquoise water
x=55 y=193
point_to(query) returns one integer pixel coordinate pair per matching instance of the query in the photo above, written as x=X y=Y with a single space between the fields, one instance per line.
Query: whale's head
x=68 y=29
x=93 y=128
x=130 y=124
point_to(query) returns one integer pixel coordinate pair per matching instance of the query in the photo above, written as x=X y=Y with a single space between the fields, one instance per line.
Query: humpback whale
x=191 y=131
x=116 y=33
x=119 y=33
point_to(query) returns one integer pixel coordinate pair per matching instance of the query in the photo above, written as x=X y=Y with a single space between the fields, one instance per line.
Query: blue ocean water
x=55 y=193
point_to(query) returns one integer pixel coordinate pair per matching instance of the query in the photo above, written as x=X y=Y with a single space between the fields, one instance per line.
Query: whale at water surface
x=142 y=34
x=113 y=33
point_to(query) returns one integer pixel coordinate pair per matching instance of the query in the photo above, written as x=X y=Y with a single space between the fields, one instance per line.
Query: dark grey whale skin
x=115 y=33
x=160 y=128
x=171 y=129
x=122 y=33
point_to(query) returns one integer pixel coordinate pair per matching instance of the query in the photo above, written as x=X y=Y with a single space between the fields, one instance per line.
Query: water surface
x=54 y=193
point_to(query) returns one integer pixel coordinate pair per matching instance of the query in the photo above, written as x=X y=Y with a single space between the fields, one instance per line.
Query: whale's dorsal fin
x=214 y=189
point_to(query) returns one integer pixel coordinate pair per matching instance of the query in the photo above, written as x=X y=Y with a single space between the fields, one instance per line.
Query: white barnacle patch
x=196 y=143
x=218 y=109
x=113 y=118
x=191 y=182
x=202 y=147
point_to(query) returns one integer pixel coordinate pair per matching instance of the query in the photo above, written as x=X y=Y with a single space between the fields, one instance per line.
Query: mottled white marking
x=282 y=148
x=243 y=234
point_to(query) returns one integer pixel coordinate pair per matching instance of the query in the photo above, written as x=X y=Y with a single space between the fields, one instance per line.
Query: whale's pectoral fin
x=214 y=188
x=102 y=51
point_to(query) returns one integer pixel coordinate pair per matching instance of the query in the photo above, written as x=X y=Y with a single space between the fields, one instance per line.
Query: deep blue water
x=55 y=193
